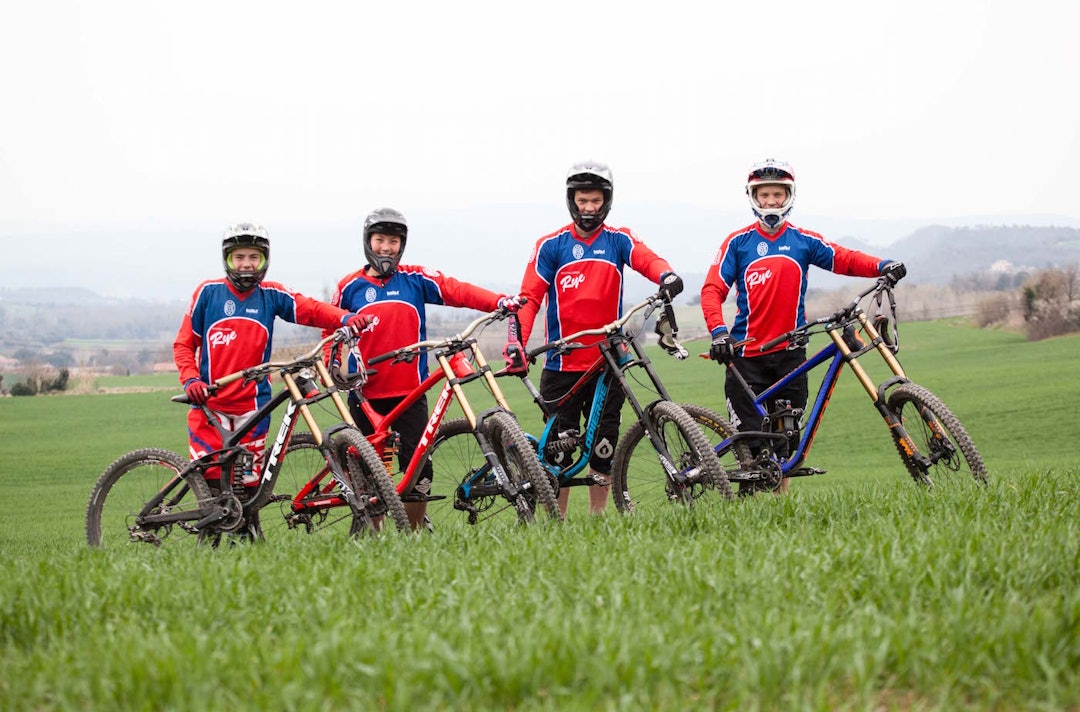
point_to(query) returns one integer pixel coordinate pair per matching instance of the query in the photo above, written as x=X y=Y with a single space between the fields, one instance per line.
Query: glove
x=671 y=285
x=667 y=335
x=514 y=355
x=511 y=304
x=893 y=272
x=197 y=391
x=359 y=322
x=722 y=348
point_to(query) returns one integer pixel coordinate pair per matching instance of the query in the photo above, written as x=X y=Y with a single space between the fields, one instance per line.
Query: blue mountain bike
x=931 y=441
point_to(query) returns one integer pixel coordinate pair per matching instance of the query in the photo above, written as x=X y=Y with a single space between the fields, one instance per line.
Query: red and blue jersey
x=768 y=274
x=225 y=331
x=398 y=307
x=582 y=281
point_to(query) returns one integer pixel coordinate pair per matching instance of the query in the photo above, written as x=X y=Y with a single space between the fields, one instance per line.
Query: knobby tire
x=123 y=491
x=640 y=482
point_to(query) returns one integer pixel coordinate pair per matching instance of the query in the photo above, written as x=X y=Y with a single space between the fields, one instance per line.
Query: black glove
x=893 y=272
x=723 y=348
x=671 y=285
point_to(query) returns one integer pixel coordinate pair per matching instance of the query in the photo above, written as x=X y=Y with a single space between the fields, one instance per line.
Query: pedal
x=806 y=471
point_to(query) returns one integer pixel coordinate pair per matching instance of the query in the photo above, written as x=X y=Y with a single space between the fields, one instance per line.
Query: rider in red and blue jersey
x=767 y=264
x=578 y=269
x=394 y=296
x=229 y=326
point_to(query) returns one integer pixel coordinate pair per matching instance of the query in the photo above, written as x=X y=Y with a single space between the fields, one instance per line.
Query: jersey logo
x=762 y=248
x=230 y=307
x=578 y=252
x=757 y=278
x=222 y=338
x=571 y=281
x=370 y=294
x=599 y=252
x=431 y=272
x=251 y=311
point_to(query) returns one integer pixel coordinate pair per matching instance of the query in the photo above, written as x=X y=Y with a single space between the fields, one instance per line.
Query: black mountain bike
x=663 y=457
x=154 y=495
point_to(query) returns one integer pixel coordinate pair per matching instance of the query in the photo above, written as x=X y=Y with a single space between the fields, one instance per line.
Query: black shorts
x=761 y=372
x=554 y=385
x=409 y=426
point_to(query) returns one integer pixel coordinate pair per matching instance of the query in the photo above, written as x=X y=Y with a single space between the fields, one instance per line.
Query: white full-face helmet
x=589 y=175
x=771 y=172
x=245 y=235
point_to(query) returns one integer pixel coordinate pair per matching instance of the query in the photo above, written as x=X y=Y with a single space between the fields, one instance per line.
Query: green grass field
x=857 y=591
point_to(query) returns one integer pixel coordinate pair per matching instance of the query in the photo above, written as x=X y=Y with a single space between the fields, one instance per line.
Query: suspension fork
x=876 y=392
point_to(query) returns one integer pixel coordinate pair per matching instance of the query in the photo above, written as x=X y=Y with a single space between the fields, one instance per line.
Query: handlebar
x=880 y=286
x=255 y=372
x=567 y=342
x=412 y=350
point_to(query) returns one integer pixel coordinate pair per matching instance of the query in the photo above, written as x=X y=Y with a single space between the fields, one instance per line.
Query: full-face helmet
x=385 y=221
x=585 y=176
x=771 y=172
x=245 y=235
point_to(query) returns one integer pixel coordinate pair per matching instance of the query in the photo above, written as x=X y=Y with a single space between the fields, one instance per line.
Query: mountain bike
x=150 y=494
x=931 y=441
x=490 y=441
x=663 y=457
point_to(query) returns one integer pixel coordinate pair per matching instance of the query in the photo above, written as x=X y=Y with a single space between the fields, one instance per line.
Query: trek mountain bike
x=490 y=440
x=154 y=495
x=931 y=441
x=676 y=462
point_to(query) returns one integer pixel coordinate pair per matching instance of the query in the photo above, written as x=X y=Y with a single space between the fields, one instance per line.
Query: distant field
x=857 y=591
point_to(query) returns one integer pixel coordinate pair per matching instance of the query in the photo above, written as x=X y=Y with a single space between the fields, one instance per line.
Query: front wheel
x=143 y=498
x=371 y=483
x=523 y=468
x=937 y=435
x=642 y=482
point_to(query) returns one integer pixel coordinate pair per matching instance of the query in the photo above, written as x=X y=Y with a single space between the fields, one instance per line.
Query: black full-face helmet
x=245 y=235
x=384 y=221
x=589 y=175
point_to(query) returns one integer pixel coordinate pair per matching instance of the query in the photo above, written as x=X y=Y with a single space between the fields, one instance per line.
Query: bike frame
x=615 y=360
x=846 y=347
x=453 y=366
x=226 y=457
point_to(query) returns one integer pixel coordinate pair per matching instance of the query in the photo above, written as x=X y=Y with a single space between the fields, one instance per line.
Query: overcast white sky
x=124 y=110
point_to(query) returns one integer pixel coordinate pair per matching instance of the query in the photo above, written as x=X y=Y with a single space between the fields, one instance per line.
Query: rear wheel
x=303 y=485
x=938 y=436
x=642 y=483
x=735 y=459
x=138 y=488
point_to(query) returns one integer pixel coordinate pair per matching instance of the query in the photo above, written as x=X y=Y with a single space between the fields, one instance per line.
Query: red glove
x=511 y=304
x=359 y=322
x=197 y=391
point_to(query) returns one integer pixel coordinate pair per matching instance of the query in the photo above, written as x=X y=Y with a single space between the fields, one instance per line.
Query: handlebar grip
x=776 y=342
x=382 y=357
x=531 y=354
